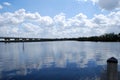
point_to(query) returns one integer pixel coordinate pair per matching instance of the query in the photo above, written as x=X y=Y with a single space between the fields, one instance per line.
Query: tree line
x=108 y=37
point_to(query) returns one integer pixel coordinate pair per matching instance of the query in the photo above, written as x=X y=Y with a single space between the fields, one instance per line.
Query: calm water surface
x=67 y=60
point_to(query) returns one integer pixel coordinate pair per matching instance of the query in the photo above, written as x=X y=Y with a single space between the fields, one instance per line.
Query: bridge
x=22 y=39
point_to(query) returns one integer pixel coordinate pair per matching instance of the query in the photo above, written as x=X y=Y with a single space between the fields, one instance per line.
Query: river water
x=59 y=60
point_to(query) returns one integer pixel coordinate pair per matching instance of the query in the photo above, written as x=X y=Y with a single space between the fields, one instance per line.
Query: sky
x=59 y=18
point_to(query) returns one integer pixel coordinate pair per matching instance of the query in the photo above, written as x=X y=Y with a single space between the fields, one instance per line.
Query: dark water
x=55 y=60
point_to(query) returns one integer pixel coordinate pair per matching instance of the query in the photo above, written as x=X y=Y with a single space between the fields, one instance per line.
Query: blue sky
x=58 y=18
x=53 y=7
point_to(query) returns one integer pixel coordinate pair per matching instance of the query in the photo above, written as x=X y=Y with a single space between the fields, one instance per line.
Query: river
x=59 y=60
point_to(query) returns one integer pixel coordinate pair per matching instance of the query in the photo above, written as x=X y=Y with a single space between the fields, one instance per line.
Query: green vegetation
x=109 y=37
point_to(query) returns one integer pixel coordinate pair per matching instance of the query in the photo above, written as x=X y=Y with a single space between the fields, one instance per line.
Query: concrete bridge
x=19 y=39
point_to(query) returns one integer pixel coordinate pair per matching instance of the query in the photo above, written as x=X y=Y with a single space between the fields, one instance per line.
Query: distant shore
x=111 y=37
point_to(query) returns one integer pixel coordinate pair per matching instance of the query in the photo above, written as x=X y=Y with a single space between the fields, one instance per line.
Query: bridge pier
x=7 y=39
x=16 y=39
x=24 y=39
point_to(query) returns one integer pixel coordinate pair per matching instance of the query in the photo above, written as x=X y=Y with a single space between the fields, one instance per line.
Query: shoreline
x=51 y=40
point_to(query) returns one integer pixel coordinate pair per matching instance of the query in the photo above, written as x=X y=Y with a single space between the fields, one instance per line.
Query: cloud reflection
x=54 y=55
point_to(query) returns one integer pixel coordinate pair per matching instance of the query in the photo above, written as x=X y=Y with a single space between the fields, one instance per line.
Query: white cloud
x=45 y=21
x=81 y=0
x=6 y=3
x=80 y=16
x=23 y=23
x=106 y=4
x=34 y=16
x=109 y=4
x=93 y=1
x=59 y=20
x=29 y=27
x=1 y=7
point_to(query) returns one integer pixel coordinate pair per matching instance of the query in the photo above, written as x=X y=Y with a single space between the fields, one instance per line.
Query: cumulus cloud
x=109 y=4
x=106 y=4
x=93 y=1
x=29 y=27
x=6 y=3
x=26 y=24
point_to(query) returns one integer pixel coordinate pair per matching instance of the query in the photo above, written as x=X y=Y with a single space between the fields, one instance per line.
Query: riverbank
x=111 y=37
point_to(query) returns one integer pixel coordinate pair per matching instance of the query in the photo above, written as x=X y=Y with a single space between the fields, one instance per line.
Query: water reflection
x=55 y=60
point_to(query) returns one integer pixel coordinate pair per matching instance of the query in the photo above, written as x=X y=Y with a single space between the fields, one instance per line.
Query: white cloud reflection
x=55 y=55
